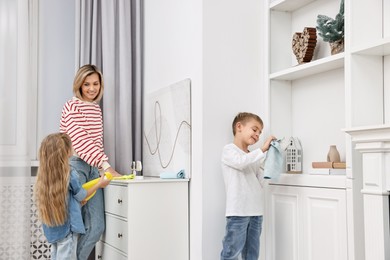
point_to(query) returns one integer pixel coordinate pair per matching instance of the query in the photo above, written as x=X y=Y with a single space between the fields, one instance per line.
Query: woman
x=82 y=120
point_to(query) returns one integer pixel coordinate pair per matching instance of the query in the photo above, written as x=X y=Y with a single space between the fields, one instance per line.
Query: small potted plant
x=332 y=30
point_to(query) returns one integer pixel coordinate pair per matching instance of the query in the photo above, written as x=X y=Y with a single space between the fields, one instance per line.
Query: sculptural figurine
x=304 y=43
x=333 y=154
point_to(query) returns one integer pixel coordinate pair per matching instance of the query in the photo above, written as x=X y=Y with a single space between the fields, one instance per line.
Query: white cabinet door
x=306 y=223
x=107 y=252
x=116 y=200
x=324 y=224
x=116 y=233
x=283 y=223
x=158 y=221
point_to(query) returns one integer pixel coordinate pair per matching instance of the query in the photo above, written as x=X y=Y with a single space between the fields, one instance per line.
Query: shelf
x=35 y=163
x=309 y=180
x=378 y=48
x=310 y=68
x=375 y=133
x=288 y=5
x=16 y=164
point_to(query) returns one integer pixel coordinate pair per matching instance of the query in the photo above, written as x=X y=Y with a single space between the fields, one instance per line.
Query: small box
x=327 y=171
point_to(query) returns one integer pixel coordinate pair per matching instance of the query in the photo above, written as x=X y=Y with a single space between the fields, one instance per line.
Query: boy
x=244 y=199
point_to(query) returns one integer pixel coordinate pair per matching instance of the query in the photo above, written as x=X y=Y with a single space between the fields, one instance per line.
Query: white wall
x=218 y=45
x=173 y=51
x=56 y=57
x=232 y=79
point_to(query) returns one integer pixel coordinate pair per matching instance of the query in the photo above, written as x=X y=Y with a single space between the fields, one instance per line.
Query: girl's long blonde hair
x=51 y=187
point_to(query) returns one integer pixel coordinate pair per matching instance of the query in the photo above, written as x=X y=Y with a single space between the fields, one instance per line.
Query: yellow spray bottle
x=93 y=182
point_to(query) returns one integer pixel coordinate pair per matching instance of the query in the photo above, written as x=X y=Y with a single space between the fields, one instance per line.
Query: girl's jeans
x=92 y=211
x=242 y=236
x=65 y=249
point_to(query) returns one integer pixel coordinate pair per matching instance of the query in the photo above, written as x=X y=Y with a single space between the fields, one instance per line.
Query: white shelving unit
x=315 y=102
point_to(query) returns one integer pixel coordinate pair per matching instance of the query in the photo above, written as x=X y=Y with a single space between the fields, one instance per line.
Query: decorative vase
x=333 y=154
x=337 y=46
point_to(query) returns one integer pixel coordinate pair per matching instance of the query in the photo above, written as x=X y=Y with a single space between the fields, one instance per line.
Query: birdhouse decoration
x=294 y=156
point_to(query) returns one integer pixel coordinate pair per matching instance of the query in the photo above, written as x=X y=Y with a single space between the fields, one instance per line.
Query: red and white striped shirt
x=83 y=122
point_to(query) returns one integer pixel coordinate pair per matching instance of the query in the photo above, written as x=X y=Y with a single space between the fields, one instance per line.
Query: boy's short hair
x=243 y=118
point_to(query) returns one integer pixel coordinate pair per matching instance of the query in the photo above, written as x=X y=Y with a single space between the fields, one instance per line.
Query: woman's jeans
x=66 y=248
x=92 y=211
x=242 y=236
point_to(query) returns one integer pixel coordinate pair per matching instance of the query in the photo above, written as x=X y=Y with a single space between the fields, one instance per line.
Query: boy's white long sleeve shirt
x=243 y=181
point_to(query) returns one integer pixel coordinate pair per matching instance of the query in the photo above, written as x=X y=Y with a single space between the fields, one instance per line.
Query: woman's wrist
x=105 y=165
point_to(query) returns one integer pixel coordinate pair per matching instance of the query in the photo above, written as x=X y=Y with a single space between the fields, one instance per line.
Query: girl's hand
x=103 y=182
x=268 y=143
x=97 y=183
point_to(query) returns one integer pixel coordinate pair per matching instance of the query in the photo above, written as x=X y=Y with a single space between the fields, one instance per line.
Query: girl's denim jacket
x=74 y=223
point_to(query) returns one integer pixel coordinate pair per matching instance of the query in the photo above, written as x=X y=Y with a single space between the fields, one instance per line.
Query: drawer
x=116 y=233
x=116 y=200
x=107 y=252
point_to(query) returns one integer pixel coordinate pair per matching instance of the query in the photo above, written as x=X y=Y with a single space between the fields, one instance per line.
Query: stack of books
x=328 y=168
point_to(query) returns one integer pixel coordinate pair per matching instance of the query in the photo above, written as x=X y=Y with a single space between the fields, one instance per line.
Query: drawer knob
x=119 y=235
x=99 y=257
x=119 y=201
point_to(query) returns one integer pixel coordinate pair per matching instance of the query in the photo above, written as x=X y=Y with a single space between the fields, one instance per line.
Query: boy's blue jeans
x=92 y=211
x=242 y=236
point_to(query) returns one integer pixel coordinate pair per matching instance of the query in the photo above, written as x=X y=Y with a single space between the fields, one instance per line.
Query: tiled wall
x=39 y=248
x=20 y=230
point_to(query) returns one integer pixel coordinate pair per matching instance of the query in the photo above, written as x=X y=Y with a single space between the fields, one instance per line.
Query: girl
x=59 y=194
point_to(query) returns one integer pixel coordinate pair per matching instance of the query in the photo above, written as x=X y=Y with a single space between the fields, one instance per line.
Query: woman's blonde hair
x=51 y=187
x=81 y=75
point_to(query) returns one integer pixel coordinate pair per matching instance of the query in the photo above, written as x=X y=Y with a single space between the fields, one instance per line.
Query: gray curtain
x=109 y=35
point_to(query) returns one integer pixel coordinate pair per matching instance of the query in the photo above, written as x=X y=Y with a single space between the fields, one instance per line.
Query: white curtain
x=109 y=35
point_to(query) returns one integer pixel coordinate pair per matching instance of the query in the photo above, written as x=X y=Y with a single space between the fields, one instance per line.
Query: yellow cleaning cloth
x=124 y=177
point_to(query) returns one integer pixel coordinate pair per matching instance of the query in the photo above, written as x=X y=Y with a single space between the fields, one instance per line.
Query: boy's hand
x=268 y=143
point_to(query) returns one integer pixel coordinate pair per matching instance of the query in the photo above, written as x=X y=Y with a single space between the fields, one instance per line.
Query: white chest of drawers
x=145 y=219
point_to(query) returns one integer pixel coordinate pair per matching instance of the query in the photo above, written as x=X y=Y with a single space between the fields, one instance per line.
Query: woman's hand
x=113 y=172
